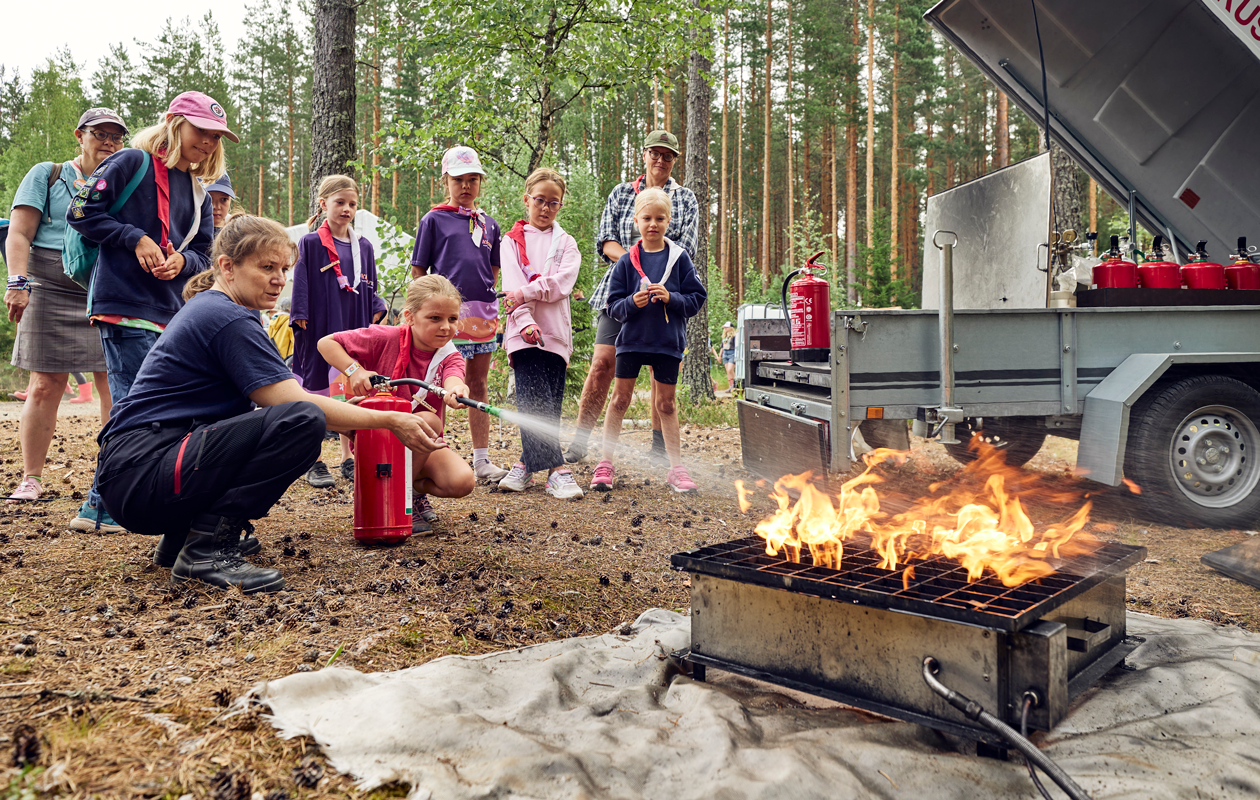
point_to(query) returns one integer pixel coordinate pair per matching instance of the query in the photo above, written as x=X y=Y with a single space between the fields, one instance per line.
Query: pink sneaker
x=680 y=481
x=28 y=489
x=602 y=481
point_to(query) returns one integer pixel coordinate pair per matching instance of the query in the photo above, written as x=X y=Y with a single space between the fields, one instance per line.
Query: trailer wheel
x=1193 y=451
x=1019 y=438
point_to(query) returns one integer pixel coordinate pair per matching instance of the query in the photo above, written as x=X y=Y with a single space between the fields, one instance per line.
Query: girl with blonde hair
x=421 y=347
x=334 y=289
x=161 y=232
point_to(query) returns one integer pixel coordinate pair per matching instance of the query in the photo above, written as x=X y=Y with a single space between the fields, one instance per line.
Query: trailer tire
x=1194 y=451
x=1019 y=438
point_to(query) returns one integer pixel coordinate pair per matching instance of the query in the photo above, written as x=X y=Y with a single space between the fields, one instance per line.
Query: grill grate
x=938 y=588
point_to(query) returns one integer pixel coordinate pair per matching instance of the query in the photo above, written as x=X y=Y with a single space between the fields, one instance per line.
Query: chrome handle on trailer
x=947 y=414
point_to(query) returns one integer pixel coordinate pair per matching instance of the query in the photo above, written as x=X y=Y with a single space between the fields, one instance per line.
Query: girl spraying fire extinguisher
x=334 y=289
x=422 y=347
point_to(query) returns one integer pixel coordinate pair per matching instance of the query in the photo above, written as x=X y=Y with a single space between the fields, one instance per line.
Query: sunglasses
x=102 y=136
x=550 y=205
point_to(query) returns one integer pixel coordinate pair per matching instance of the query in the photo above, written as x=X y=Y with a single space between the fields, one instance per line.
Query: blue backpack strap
x=54 y=172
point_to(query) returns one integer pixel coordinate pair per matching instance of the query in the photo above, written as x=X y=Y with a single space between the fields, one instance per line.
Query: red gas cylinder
x=1242 y=274
x=382 y=478
x=1114 y=272
x=1159 y=274
x=1200 y=273
x=809 y=313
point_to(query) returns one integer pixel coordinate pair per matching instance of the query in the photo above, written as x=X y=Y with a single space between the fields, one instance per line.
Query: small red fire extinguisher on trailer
x=809 y=315
x=382 y=475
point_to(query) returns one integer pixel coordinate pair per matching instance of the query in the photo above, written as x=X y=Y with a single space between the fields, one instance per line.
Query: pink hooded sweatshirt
x=554 y=261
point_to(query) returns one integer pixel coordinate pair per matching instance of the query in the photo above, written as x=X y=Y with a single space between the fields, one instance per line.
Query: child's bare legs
x=668 y=409
x=442 y=473
x=618 y=405
x=347 y=448
x=476 y=376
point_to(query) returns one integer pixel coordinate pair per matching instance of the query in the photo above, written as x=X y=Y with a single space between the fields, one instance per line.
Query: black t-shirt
x=203 y=367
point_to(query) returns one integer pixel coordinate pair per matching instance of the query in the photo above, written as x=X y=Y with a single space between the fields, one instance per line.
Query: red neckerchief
x=638 y=183
x=517 y=234
x=325 y=236
x=474 y=217
x=635 y=258
x=404 y=353
x=162 y=176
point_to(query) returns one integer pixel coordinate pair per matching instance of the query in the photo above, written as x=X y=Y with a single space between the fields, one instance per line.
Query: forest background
x=828 y=122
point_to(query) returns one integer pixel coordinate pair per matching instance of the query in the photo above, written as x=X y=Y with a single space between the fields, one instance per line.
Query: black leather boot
x=170 y=544
x=212 y=556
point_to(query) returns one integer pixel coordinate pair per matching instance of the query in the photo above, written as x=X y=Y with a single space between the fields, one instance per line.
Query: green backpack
x=78 y=255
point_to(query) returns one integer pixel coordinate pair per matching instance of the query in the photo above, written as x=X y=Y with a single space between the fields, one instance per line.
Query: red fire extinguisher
x=1199 y=273
x=809 y=314
x=1243 y=274
x=382 y=475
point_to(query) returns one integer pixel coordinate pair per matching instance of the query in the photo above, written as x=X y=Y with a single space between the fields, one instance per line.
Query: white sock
x=481 y=454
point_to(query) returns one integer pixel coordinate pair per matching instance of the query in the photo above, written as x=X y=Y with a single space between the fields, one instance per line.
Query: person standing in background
x=54 y=336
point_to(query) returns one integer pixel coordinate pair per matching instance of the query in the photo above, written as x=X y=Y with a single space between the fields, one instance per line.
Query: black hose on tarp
x=975 y=712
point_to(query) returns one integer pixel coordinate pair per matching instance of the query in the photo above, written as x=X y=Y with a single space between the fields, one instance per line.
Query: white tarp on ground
x=610 y=717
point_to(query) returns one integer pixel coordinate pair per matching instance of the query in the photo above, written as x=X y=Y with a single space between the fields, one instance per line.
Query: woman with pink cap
x=150 y=245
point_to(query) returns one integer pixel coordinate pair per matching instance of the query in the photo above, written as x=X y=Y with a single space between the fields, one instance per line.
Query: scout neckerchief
x=636 y=261
x=326 y=236
x=404 y=358
x=162 y=177
x=517 y=235
x=476 y=219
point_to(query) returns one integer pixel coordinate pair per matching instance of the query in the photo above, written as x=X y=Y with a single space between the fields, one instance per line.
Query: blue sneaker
x=90 y=519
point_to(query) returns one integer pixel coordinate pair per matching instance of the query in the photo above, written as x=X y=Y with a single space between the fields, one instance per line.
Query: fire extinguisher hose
x=974 y=711
x=440 y=392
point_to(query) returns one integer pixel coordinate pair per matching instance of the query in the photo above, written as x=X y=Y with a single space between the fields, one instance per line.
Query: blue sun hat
x=223 y=184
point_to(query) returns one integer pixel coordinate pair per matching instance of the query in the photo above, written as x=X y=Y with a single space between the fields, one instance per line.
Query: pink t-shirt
x=376 y=348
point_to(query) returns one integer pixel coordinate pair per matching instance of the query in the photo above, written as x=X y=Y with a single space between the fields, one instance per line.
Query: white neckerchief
x=430 y=375
x=356 y=255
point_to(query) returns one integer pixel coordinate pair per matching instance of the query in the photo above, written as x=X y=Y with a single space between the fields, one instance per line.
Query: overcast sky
x=34 y=29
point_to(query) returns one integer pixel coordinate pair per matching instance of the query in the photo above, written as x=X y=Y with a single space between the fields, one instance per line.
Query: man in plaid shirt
x=617 y=234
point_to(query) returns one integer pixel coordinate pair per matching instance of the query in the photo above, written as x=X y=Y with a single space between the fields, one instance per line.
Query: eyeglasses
x=102 y=136
x=666 y=157
x=550 y=205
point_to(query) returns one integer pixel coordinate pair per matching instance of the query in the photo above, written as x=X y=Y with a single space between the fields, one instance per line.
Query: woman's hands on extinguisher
x=414 y=432
x=360 y=382
x=454 y=388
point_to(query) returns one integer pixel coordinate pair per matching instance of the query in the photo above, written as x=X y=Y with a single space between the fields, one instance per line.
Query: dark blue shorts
x=664 y=367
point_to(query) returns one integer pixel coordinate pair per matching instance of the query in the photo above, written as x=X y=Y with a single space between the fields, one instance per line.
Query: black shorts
x=664 y=368
x=606 y=330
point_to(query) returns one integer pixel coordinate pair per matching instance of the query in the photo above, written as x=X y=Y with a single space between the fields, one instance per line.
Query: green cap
x=661 y=139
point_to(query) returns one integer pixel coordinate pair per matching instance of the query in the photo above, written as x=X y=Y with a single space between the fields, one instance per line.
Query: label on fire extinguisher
x=407 y=467
x=803 y=316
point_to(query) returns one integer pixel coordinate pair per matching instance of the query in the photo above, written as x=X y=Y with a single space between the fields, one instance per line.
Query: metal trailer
x=1165 y=395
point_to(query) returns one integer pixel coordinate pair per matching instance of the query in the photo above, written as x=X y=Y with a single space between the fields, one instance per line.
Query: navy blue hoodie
x=646 y=330
x=119 y=284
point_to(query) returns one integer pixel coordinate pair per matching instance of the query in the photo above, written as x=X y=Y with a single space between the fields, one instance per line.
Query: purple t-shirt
x=445 y=247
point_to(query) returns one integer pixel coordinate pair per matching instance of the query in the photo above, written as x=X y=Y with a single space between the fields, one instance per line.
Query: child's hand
x=360 y=382
x=532 y=335
x=658 y=292
x=149 y=254
x=512 y=299
x=640 y=298
x=453 y=391
x=171 y=266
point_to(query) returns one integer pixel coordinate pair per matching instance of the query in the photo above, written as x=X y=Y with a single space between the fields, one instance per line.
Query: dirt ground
x=124 y=679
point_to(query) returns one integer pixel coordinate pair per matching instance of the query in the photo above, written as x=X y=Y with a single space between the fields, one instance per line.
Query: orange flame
x=1133 y=487
x=984 y=529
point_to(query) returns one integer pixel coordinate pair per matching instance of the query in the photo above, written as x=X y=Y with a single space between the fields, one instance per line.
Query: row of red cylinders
x=1120 y=274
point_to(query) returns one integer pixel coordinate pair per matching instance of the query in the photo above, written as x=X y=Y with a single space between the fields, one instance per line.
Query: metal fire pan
x=938 y=589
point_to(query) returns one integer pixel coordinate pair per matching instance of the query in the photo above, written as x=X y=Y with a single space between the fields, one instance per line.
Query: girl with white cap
x=461 y=242
x=152 y=243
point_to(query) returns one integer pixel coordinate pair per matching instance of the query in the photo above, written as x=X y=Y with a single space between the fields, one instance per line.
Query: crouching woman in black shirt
x=183 y=456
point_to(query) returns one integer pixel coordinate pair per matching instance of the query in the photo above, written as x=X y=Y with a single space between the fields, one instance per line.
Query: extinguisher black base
x=806 y=355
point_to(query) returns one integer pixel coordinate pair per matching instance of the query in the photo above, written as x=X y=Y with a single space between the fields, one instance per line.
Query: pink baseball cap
x=461 y=160
x=202 y=111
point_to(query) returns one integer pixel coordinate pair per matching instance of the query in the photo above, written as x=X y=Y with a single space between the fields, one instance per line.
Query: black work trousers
x=155 y=480
x=539 y=393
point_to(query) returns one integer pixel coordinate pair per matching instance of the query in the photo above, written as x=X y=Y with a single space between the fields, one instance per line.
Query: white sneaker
x=489 y=471
x=518 y=480
x=561 y=484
